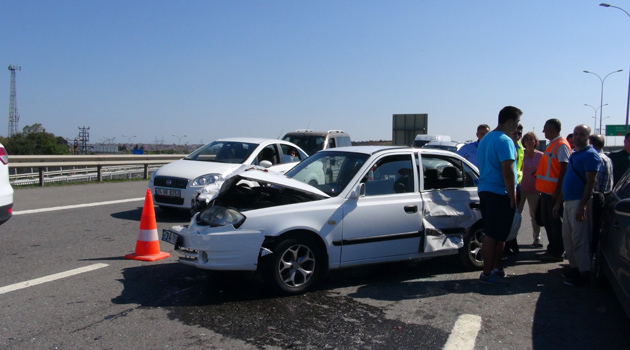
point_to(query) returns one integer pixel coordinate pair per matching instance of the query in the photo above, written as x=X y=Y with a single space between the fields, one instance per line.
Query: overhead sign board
x=616 y=130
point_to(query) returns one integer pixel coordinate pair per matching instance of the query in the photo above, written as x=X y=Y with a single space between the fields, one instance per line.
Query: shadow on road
x=161 y=216
x=237 y=305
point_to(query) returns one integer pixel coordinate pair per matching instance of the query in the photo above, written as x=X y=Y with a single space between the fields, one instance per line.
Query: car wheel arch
x=468 y=261
x=271 y=242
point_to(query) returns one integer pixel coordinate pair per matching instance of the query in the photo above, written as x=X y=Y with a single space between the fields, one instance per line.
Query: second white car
x=176 y=185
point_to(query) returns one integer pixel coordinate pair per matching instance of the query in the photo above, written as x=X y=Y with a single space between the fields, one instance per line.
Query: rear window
x=308 y=142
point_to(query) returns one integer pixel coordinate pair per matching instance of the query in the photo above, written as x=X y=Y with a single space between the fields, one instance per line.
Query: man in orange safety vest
x=549 y=178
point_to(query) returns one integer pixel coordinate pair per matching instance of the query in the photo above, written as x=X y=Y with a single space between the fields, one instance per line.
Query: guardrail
x=43 y=163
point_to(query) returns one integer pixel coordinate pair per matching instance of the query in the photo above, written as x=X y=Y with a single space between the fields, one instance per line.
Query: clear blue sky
x=212 y=69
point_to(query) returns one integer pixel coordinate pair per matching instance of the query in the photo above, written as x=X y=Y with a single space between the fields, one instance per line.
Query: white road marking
x=33 y=211
x=464 y=333
x=50 y=278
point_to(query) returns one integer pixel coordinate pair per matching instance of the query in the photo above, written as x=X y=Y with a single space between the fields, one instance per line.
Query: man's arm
x=563 y=171
x=507 y=169
x=580 y=214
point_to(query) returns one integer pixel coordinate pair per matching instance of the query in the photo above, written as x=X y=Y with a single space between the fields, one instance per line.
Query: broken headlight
x=220 y=216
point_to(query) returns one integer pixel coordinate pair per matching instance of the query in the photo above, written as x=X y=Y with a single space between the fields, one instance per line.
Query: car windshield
x=309 y=143
x=330 y=172
x=223 y=152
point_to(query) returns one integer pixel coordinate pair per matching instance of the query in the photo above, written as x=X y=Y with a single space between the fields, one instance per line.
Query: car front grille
x=168 y=200
x=172 y=182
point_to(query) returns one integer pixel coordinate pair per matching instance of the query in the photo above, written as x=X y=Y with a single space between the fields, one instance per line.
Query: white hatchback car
x=373 y=205
x=6 y=191
x=176 y=185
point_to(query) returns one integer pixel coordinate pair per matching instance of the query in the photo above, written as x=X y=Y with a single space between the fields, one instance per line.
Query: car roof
x=446 y=143
x=249 y=139
x=376 y=149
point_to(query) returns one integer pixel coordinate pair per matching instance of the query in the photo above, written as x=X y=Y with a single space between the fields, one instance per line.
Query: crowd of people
x=564 y=188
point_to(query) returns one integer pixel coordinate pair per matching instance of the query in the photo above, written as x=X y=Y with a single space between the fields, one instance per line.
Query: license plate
x=169 y=236
x=168 y=192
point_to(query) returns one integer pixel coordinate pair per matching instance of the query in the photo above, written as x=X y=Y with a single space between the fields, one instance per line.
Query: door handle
x=410 y=209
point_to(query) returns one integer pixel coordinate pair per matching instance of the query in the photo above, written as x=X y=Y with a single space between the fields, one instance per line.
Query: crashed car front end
x=229 y=234
x=217 y=248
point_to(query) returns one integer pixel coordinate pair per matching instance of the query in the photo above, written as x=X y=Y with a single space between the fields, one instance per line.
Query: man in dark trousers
x=549 y=177
x=497 y=193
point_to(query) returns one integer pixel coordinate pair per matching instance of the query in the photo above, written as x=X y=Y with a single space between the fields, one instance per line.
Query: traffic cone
x=148 y=246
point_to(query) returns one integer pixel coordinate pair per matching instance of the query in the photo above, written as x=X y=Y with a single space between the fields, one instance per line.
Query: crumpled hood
x=259 y=174
x=191 y=169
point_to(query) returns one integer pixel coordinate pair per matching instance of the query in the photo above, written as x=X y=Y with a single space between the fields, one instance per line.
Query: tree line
x=34 y=140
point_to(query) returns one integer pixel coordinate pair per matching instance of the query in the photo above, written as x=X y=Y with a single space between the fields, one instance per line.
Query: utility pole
x=84 y=137
x=14 y=116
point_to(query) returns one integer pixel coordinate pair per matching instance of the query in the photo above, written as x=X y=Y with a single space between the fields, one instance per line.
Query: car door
x=385 y=222
x=615 y=241
x=449 y=193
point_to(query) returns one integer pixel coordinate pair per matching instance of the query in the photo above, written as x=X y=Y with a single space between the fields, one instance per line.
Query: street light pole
x=601 y=98
x=595 y=116
x=628 y=101
x=179 y=139
x=129 y=137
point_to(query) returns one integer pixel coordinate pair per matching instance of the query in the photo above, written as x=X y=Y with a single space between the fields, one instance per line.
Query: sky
x=209 y=69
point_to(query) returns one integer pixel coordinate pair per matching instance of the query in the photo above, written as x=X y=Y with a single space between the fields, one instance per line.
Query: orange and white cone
x=148 y=246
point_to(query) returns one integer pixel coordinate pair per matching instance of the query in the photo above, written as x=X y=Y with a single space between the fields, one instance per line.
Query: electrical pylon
x=14 y=116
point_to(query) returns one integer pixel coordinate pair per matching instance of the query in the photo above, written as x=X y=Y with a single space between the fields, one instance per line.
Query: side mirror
x=265 y=164
x=358 y=191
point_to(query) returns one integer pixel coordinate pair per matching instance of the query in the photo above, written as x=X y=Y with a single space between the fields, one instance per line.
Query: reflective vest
x=548 y=170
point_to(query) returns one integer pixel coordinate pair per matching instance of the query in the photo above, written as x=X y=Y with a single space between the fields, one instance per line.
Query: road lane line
x=464 y=333
x=50 y=278
x=33 y=211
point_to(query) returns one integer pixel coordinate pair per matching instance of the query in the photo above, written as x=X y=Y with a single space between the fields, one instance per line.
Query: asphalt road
x=46 y=302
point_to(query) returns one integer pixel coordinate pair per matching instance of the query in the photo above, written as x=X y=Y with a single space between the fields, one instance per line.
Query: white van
x=313 y=141
x=422 y=139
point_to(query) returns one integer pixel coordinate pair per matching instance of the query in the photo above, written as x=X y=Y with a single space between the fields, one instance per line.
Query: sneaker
x=537 y=243
x=499 y=273
x=578 y=281
x=551 y=258
x=493 y=280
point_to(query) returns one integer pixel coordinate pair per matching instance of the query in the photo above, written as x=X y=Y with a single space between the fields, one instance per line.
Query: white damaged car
x=367 y=205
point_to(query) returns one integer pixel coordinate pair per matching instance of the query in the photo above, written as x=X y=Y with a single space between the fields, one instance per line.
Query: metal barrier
x=43 y=163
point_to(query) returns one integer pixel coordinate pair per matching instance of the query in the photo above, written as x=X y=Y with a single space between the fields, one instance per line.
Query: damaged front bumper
x=216 y=248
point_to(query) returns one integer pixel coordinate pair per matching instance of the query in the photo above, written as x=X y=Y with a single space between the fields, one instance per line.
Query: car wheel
x=294 y=266
x=470 y=253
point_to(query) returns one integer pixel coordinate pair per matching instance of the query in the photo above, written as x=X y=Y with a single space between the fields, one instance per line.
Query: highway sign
x=615 y=130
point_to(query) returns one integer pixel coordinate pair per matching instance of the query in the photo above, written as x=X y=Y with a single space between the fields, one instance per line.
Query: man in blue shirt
x=469 y=150
x=497 y=192
x=577 y=191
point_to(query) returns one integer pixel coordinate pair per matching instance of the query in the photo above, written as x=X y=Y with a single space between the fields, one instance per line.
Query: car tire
x=294 y=266
x=470 y=254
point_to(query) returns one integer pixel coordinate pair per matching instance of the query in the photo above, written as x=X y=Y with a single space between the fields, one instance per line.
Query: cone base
x=152 y=257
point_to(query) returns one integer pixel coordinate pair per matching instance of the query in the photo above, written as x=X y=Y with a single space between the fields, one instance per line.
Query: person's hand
x=556 y=211
x=580 y=214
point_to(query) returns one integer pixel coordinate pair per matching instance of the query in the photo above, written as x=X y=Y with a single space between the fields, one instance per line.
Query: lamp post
x=595 y=115
x=628 y=101
x=601 y=98
x=179 y=139
x=129 y=137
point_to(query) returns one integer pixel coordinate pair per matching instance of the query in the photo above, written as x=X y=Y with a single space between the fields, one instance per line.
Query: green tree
x=34 y=140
